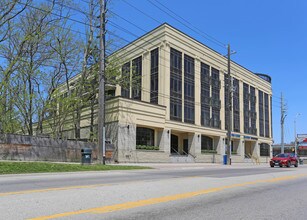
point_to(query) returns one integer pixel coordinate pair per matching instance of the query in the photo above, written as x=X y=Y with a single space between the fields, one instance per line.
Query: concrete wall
x=29 y=148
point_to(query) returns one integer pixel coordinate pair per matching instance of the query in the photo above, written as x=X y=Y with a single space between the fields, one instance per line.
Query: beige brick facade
x=125 y=116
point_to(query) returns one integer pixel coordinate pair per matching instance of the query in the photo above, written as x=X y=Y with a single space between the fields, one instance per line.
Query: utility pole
x=229 y=91
x=282 y=120
x=101 y=95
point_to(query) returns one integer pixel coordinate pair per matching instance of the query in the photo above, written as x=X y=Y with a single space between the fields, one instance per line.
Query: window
x=246 y=107
x=264 y=149
x=125 y=91
x=253 y=114
x=205 y=116
x=215 y=121
x=189 y=109
x=226 y=101
x=154 y=76
x=215 y=98
x=266 y=115
x=175 y=85
x=206 y=144
x=205 y=95
x=236 y=105
x=137 y=78
x=145 y=136
x=261 y=118
x=215 y=80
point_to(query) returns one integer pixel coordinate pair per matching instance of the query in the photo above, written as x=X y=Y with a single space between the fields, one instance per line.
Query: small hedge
x=145 y=147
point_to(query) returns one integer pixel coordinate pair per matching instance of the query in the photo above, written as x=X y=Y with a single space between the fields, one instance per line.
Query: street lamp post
x=295 y=138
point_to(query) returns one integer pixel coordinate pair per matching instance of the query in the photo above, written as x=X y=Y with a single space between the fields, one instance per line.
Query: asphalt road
x=182 y=192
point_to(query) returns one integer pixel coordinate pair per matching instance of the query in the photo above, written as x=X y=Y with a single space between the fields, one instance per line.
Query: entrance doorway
x=185 y=146
x=248 y=149
x=174 y=144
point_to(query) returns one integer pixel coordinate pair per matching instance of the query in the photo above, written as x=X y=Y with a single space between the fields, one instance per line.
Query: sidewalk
x=196 y=165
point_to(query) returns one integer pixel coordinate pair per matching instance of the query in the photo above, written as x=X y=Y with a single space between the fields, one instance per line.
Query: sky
x=269 y=37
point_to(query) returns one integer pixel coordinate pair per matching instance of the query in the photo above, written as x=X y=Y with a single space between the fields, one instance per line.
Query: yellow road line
x=69 y=187
x=140 y=203
x=51 y=189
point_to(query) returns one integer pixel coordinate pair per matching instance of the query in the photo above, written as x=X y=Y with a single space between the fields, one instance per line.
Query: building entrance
x=248 y=149
x=174 y=144
x=185 y=146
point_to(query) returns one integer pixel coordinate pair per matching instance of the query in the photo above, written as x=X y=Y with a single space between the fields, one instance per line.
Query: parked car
x=285 y=159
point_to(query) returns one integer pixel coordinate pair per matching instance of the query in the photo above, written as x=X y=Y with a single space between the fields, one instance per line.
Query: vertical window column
x=215 y=98
x=125 y=85
x=266 y=115
x=175 y=85
x=189 y=88
x=205 y=95
x=154 y=76
x=246 y=97
x=253 y=113
x=236 y=105
x=261 y=118
x=137 y=78
x=226 y=101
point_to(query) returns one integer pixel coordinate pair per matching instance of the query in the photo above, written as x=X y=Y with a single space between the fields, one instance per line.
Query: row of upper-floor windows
x=210 y=91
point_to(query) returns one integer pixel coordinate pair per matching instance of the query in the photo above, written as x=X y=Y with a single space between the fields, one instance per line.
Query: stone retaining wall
x=31 y=148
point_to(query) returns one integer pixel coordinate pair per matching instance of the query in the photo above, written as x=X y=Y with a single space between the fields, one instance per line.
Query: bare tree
x=10 y=9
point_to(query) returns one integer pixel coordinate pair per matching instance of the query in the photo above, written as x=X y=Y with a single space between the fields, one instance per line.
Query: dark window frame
x=205 y=95
x=189 y=89
x=125 y=89
x=264 y=150
x=207 y=144
x=266 y=115
x=137 y=78
x=154 y=76
x=145 y=136
x=175 y=85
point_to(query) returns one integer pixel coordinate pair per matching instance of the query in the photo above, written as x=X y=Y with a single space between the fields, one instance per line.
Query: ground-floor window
x=264 y=149
x=302 y=152
x=145 y=136
x=207 y=144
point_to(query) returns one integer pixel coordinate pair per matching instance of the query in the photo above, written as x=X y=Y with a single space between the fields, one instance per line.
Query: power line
x=133 y=43
x=208 y=37
x=43 y=65
x=159 y=22
x=127 y=21
x=60 y=16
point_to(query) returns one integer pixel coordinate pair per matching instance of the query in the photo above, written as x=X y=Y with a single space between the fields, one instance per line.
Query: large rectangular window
x=137 y=78
x=189 y=96
x=264 y=150
x=236 y=105
x=145 y=136
x=175 y=85
x=266 y=115
x=246 y=97
x=215 y=98
x=205 y=95
x=207 y=144
x=253 y=113
x=261 y=118
x=125 y=84
x=154 y=75
x=226 y=100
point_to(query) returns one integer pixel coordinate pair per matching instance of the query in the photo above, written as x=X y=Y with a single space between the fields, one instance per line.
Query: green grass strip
x=47 y=167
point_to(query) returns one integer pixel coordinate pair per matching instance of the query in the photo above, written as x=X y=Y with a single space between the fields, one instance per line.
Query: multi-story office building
x=176 y=108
